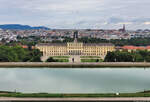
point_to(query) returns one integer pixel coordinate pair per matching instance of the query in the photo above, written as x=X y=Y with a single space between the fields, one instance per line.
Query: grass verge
x=91 y=60
x=46 y=95
x=62 y=60
x=60 y=56
x=89 y=57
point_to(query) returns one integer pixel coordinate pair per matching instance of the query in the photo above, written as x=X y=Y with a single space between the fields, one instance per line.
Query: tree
x=137 y=57
x=50 y=60
x=124 y=56
x=35 y=55
x=110 y=57
x=19 y=54
x=147 y=59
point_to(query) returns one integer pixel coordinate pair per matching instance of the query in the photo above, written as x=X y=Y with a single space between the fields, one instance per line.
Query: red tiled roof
x=134 y=48
x=24 y=46
x=129 y=47
x=148 y=47
x=140 y=48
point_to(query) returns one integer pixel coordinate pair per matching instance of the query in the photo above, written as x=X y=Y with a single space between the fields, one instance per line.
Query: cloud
x=147 y=23
x=126 y=23
x=76 y=13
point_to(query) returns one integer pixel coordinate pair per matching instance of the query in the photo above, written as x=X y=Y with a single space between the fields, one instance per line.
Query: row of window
x=64 y=48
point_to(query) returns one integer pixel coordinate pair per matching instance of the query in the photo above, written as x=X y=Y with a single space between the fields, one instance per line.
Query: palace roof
x=84 y=44
x=98 y=44
x=136 y=47
x=52 y=44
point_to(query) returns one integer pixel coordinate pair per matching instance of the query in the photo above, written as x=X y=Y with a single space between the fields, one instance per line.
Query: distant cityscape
x=49 y=35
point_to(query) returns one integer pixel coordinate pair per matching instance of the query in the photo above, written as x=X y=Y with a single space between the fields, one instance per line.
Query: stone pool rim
x=74 y=65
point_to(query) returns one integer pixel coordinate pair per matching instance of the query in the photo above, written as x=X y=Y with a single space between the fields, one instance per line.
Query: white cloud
x=76 y=13
x=126 y=23
x=146 y=23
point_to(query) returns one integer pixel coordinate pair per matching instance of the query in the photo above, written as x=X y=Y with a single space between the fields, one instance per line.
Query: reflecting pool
x=103 y=80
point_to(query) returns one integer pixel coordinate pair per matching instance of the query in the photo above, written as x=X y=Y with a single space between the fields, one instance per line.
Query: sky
x=77 y=14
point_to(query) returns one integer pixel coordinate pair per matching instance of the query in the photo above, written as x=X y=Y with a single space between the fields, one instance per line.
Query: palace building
x=75 y=48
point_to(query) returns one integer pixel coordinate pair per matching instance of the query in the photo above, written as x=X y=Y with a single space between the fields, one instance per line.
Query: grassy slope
x=74 y=95
x=89 y=57
x=60 y=56
x=62 y=60
x=91 y=60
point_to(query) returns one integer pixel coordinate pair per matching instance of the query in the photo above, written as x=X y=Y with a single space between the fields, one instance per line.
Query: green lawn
x=60 y=56
x=46 y=95
x=91 y=60
x=62 y=60
x=89 y=56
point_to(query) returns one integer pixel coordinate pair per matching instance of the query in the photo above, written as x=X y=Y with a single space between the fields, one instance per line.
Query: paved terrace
x=142 y=99
x=73 y=65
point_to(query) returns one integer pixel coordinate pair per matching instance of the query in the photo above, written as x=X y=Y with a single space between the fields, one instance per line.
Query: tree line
x=118 y=42
x=19 y=54
x=124 y=56
x=31 y=41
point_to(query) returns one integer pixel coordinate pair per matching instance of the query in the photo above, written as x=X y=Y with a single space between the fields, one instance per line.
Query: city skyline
x=79 y=14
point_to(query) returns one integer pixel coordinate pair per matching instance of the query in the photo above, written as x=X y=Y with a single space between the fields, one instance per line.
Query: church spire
x=124 y=28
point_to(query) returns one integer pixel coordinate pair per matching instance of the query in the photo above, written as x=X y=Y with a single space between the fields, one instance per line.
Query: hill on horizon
x=21 y=27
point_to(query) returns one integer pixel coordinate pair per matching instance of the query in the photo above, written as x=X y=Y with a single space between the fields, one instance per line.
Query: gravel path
x=2 y=99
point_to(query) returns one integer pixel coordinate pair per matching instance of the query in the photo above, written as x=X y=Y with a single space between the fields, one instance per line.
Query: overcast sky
x=106 y=14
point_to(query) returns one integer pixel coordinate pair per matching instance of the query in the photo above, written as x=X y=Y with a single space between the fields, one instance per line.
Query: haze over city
x=77 y=14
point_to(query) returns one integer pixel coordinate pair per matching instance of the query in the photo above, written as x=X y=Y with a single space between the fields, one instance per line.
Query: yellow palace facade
x=75 y=48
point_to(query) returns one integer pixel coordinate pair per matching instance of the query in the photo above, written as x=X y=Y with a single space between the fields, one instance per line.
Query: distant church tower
x=124 y=28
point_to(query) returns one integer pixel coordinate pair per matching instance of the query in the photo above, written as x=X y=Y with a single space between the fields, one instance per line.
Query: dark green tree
x=50 y=60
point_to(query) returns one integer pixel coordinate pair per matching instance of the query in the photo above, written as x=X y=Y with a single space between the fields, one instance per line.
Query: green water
x=124 y=80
